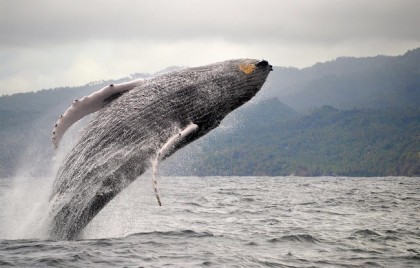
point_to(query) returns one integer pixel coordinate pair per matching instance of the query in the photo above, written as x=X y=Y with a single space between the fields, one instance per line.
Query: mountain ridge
x=347 y=83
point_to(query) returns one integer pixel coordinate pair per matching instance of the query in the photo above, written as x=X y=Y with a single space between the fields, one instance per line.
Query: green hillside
x=326 y=142
x=350 y=83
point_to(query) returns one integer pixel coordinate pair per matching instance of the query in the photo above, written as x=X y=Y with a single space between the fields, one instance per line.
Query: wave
x=366 y=232
x=181 y=233
x=301 y=238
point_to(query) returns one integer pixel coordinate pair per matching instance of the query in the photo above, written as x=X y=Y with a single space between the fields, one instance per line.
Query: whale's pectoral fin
x=89 y=104
x=166 y=149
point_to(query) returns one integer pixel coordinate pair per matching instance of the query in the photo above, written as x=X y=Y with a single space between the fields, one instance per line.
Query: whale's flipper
x=166 y=149
x=89 y=104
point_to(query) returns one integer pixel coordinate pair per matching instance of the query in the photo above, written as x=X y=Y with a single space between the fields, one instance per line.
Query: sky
x=49 y=43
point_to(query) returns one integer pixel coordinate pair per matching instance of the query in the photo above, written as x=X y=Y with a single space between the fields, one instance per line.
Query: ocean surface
x=225 y=222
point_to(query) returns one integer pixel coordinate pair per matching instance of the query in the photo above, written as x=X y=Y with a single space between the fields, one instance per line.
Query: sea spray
x=25 y=201
x=24 y=197
x=23 y=208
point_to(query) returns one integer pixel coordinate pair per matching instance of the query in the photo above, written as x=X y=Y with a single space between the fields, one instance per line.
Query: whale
x=135 y=126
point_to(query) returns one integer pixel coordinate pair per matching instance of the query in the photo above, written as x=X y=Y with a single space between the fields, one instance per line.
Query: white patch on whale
x=87 y=105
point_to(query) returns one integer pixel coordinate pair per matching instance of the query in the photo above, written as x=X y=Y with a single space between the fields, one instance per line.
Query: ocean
x=224 y=222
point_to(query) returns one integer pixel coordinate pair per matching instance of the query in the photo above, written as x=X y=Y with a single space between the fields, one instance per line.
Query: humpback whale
x=137 y=124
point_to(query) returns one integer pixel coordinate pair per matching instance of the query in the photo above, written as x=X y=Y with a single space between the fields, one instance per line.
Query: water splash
x=24 y=197
x=24 y=200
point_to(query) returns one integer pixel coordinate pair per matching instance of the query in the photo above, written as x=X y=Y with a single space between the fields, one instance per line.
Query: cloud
x=52 y=43
x=51 y=21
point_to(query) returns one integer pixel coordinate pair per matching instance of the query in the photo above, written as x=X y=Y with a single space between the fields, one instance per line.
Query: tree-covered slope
x=326 y=142
x=349 y=83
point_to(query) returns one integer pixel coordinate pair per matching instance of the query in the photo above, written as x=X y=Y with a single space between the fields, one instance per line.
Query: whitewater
x=224 y=222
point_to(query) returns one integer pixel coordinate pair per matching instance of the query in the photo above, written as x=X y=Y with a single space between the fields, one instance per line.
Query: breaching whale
x=138 y=123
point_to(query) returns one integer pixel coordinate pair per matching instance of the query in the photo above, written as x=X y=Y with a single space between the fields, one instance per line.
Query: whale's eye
x=247 y=68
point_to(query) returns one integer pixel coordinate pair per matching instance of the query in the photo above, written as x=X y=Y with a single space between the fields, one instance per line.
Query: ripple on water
x=366 y=232
x=301 y=238
x=183 y=233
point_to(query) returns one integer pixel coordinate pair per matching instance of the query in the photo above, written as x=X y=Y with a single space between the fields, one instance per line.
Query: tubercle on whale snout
x=134 y=127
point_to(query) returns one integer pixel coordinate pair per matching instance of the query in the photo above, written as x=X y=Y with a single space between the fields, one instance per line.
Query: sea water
x=225 y=222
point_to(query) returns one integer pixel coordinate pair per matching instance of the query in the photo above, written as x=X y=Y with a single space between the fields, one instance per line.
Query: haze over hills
x=347 y=83
x=350 y=116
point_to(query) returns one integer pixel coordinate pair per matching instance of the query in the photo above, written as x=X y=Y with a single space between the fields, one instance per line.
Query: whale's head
x=247 y=76
x=227 y=86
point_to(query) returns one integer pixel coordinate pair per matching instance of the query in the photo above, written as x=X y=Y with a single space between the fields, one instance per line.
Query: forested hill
x=325 y=142
x=350 y=116
x=349 y=83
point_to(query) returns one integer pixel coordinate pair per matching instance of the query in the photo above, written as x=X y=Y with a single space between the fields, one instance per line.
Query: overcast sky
x=50 y=43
